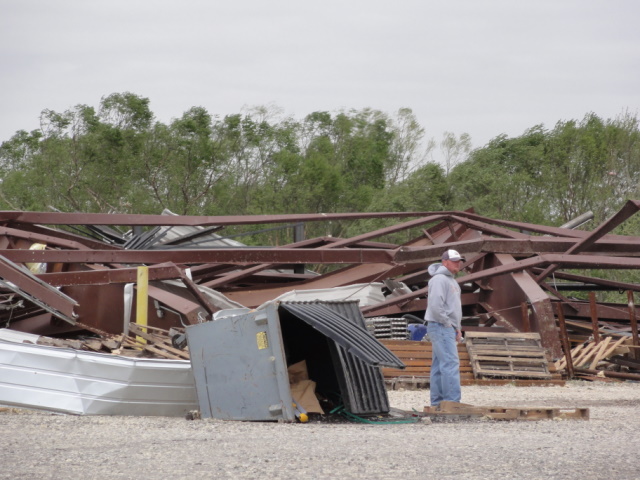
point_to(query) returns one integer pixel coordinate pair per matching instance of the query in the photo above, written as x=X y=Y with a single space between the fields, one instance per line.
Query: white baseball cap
x=452 y=255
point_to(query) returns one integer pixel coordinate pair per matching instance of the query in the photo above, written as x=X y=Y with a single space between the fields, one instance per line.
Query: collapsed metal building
x=60 y=284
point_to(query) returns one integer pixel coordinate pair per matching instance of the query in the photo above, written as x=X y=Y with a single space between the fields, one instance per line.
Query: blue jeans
x=445 y=364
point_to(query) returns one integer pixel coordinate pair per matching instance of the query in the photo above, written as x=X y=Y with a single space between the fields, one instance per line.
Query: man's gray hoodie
x=443 y=301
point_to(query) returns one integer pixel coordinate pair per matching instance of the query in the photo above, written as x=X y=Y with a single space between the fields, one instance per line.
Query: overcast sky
x=483 y=67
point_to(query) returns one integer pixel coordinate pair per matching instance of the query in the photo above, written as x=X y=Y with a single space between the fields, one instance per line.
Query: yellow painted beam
x=142 y=299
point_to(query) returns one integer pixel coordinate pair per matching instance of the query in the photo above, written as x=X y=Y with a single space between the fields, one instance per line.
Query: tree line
x=118 y=158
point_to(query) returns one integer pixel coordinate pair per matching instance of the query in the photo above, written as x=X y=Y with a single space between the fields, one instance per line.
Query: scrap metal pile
x=60 y=284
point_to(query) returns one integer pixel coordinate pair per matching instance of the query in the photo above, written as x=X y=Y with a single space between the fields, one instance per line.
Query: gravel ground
x=45 y=446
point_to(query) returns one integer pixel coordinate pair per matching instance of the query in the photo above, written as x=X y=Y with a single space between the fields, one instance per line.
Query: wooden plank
x=511 y=360
x=613 y=347
x=586 y=357
x=602 y=348
x=519 y=373
x=528 y=358
x=427 y=355
x=506 y=413
x=525 y=335
x=574 y=353
x=387 y=372
x=508 y=353
x=160 y=343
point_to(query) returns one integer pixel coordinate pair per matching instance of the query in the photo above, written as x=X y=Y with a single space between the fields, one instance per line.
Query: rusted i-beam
x=629 y=209
x=593 y=308
x=19 y=279
x=564 y=340
x=60 y=218
x=236 y=256
x=634 y=323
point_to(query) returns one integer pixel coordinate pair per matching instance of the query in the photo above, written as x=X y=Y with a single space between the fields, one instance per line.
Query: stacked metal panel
x=388 y=328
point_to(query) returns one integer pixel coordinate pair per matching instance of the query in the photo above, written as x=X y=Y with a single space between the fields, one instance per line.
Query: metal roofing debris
x=65 y=380
x=515 y=277
x=354 y=338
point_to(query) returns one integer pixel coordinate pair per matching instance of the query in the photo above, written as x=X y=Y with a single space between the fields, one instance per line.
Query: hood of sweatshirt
x=438 y=269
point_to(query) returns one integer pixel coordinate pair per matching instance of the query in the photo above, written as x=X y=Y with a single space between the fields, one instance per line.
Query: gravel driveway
x=45 y=446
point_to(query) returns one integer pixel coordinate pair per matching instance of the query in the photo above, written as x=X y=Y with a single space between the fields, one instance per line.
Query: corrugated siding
x=347 y=331
x=361 y=383
x=85 y=383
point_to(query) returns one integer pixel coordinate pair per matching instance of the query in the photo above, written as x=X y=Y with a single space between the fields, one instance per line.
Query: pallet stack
x=387 y=328
x=501 y=365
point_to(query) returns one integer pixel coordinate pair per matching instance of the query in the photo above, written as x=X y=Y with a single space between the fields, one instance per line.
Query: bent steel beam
x=59 y=218
x=237 y=256
x=629 y=209
x=24 y=283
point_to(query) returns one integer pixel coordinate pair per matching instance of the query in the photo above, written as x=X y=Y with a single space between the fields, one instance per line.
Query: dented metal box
x=240 y=361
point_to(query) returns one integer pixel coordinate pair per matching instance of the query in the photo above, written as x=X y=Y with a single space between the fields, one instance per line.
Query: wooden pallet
x=152 y=341
x=417 y=357
x=455 y=409
x=507 y=355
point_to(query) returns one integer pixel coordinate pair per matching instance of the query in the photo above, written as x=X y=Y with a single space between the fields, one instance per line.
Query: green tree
x=405 y=151
x=503 y=179
x=182 y=164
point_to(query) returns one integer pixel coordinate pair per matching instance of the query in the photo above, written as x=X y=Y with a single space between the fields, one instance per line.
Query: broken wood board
x=589 y=354
x=152 y=340
x=507 y=355
x=450 y=409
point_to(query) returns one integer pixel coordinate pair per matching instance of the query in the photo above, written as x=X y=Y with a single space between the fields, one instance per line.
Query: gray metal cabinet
x=239 y=366
x=240 y=361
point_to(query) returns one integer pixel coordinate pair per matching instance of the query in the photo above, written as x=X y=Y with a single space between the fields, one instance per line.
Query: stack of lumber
x=150 y=341
x=417 y=358
x=589 y=354
x=140 y=341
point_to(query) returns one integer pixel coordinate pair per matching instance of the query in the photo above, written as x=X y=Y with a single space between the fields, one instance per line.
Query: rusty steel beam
x=605 y=312
x=564 y=339
x=487 y=228
x=593 y=309
x=522 y=227
x=106 y=276
x=59 y=218
x=570 y=261
x=195 y=291
x=506 y=295
x=629 y=209
x=40 y=238
x=191 y=311
x=235 y=276
x=594 y=280
x=609 y=374
x=633 y=321
x=65 y=236
x=517 y=247
x=544 y=313
x=342 y=277
x=576 y=261
x=37 y=291
x=237 y=256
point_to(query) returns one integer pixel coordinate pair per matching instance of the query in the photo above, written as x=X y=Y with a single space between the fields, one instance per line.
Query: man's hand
x=458 y=335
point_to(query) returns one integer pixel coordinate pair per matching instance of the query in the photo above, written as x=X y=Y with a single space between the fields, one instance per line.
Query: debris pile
x=132 y=284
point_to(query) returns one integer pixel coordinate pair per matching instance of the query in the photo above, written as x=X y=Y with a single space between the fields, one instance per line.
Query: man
x=444 y=314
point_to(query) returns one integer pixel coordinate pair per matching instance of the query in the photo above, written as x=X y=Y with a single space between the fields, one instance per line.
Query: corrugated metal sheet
x=180 y=235
x=345 y=331
x=365 y=293
x=86 y=383
x=364 y=383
